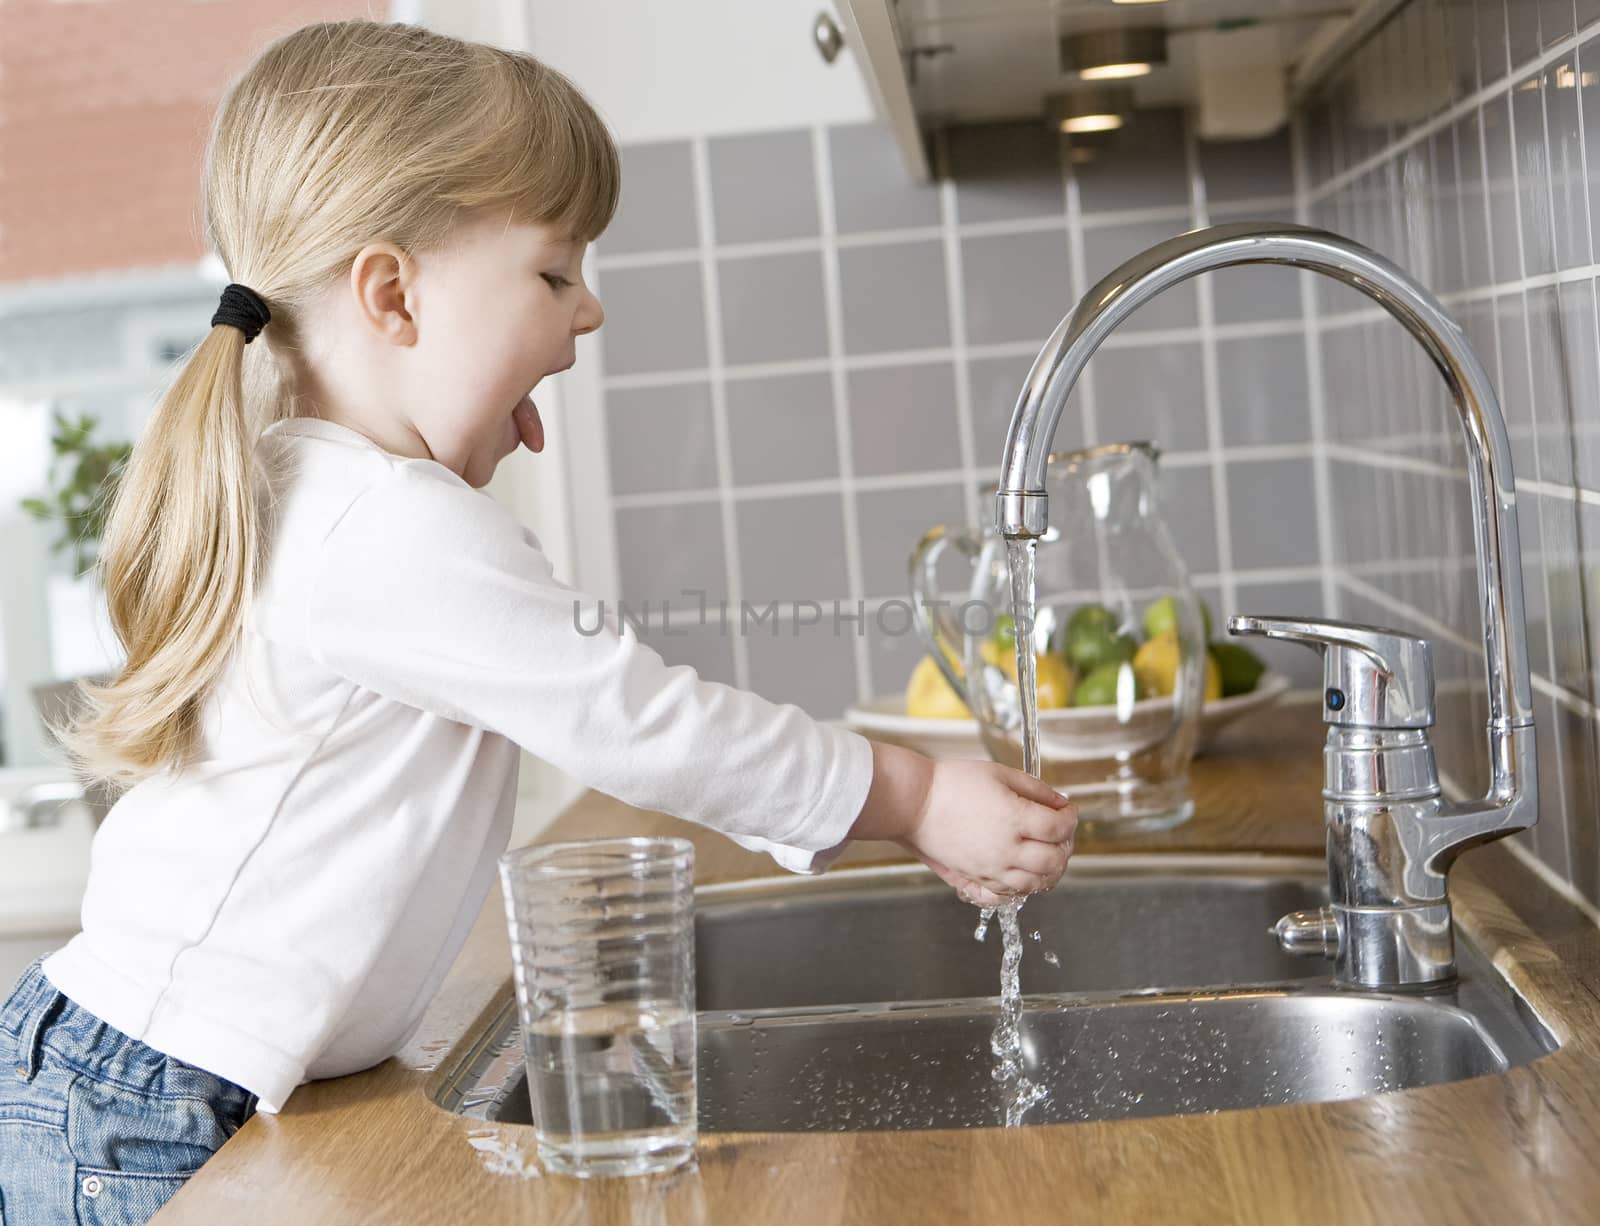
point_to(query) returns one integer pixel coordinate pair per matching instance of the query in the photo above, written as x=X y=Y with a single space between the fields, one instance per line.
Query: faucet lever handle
x=1374 y=677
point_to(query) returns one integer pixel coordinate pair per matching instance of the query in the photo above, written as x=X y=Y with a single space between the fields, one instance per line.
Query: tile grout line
x=1137 y=338
x=689 y=615
x=955 y=305
x=1221 y=509
x=1591 y=651
x=833 y=308
x=700 y=162
x=1262 y=453
x=1078 y=284
x=1527 y=349
x=1041 y=224
x=1317 y=402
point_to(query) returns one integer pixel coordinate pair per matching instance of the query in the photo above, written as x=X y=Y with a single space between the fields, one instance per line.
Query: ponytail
x=179 y=565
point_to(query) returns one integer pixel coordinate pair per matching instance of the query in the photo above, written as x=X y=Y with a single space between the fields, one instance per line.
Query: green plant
x=83 y=476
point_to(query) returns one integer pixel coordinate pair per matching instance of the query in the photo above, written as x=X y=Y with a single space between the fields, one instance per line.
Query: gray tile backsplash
x=872 y=339
x=894 y=296
x=764 y=186
x=780 y=428
x=1491 y=199
x=892 y=521
x=1272 y=512
x=1017 y=286
x=657 y=213
x=661 y=438
x=772 y=308
x=645 y=338
x=904 y=419
x=871 y=190
x=1148 y=171
x=1150 y=392
x=1261 y=383
x=663 y=549
x=792 y=548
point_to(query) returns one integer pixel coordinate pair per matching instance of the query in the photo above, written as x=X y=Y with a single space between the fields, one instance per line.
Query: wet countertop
x=1520 y=1147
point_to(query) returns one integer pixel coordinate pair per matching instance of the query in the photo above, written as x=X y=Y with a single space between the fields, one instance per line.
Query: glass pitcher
x=1117 y=632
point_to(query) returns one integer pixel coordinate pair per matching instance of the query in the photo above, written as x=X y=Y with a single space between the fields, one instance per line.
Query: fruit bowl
x=1092 y=731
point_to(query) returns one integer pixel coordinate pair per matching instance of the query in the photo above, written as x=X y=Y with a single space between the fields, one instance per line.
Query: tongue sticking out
x=526 y=415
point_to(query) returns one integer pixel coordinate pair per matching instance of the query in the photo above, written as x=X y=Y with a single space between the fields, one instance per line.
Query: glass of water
x=602 y=941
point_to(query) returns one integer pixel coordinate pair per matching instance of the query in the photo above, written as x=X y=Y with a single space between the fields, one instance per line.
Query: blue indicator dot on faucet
x=1335 y=700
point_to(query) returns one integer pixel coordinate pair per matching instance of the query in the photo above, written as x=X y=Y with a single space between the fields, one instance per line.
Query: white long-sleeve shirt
x=284 y=908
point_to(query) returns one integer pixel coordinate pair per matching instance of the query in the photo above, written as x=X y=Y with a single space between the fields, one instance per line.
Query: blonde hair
x=338 y=134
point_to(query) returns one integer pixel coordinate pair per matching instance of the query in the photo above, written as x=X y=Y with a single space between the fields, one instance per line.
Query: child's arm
x=429 y=593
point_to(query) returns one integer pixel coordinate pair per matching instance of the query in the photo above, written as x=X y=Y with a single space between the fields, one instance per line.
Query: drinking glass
x=602 y=942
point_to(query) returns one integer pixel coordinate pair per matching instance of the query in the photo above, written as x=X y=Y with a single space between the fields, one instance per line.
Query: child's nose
x=591 y=315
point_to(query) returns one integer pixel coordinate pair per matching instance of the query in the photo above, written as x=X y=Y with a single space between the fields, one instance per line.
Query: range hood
x=933 y=63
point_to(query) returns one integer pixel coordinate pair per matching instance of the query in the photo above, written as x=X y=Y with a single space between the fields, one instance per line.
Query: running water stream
x=1009 y=1072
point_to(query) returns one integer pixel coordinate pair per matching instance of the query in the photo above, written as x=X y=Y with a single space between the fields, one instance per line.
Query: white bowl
x=1093 y=731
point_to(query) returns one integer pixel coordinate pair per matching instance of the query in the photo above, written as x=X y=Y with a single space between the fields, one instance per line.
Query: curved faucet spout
x=1021 y=508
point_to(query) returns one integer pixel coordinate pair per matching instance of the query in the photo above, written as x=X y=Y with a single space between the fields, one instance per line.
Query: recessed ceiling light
x=1110 y=54
x=1114 y=72
x=1091 y=123
x=1091 y=108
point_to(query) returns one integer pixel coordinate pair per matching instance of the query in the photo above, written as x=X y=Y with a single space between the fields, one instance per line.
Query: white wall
x=658 y=70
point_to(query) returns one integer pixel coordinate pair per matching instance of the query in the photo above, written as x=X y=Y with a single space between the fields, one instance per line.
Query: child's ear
x=383 y=284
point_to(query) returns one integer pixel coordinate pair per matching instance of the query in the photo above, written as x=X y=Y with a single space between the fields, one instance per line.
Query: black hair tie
x=244 y=309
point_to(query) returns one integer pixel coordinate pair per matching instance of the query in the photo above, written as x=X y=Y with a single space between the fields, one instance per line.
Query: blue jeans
x=97 y=1129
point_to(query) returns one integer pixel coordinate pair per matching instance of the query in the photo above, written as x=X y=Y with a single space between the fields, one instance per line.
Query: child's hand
x=990 y=831
x=993 y=832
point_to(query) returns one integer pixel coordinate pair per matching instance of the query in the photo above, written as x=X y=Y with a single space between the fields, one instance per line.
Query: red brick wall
x=104 y=110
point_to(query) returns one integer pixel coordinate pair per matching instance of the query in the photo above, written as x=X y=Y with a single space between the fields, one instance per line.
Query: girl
x=336 y=644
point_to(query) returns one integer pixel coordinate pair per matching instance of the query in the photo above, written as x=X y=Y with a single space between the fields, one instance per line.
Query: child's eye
x=556 y=282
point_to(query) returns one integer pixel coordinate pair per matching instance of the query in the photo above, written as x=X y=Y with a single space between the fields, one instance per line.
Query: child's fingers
x=1036 y=790
x=983 y=896
x=1045 y=860
x=1019 y=881
x=1050 y=825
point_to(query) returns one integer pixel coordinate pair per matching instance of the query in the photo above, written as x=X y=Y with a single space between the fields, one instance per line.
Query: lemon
x=1054 y=680
x=1156 y=663
x=1051 y=675
x=929 y=696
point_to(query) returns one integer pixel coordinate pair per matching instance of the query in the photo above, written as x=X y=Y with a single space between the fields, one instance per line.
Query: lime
x=1005 y=631
x=1092 y=617
x=1162 y=616
x=1240 y=667
x=1100 y=688
x=1090 y=647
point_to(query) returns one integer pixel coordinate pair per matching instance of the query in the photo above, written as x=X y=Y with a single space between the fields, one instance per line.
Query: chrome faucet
x=1391 y=837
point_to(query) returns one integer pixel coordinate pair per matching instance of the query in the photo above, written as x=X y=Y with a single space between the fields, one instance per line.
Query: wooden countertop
x=1522 y=1147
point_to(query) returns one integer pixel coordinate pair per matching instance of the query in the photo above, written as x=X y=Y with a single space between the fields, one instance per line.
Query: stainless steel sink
x=859 y=1001
x=900 y=934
